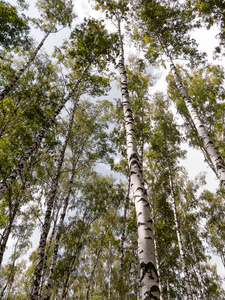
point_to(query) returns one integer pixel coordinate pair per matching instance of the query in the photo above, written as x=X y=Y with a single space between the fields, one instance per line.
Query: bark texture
x=209 y=146
x=25 y=66
x=122 y=241
x=47 y=220
x=58 y=235
x=146 y=251
x=12 y=177
x=180 y=243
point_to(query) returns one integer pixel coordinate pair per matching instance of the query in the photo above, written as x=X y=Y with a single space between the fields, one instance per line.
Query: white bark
x=43 y=273
x=146 y=251
x=180 y=243
x=122 y=240
x=93 y=271
x=168 y=289
x=47 y=220
x=199 y=272
x=209 y=146
x=12 y=177
x=25 y=66
x=110 y=269
x=155 y=243
x=58 y=235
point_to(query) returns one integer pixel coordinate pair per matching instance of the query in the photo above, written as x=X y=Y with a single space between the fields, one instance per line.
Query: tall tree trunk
x=168 y=288
x=7 y=230
x=43 y=273
x=110 y=269
x=8 y=88
x=180 y=244
x=199 y=272
x=93 y=269
x=12 y=177
x=122 y=240
x=155 y=242
x=50 y=203
x=146 y=252
x=209 y=146
x=73 y=262
x=58 y=234
x=12 y=215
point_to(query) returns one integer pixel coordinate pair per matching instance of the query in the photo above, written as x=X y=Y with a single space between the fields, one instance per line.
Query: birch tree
x=53 y=14
x=147 y=264
x=170 y=35
x=96 y=49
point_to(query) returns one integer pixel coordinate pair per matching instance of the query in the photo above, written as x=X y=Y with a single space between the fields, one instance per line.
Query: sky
x=194 y=162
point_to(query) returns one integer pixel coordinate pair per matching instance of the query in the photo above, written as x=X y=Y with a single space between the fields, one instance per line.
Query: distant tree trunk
x=146 y=253
x=180 y=244
x=93 y=269
x=7 y=230
x=110 y=269
x=168 y=288
x=12 y=177
x=155 y=243
x=199 y=272
x=43 y=273
x=58 y=234
x=72 y=266
x=8 y=88
x=122 y=240
x=209 y=146
x=12 y=214
x=50 y=203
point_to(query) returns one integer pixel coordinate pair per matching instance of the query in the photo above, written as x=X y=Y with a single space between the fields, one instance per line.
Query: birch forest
x=112 y=150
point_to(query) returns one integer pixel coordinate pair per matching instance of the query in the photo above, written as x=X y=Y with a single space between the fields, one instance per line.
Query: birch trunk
x=168 y=289
x=12 y=177
x=155 y=243
x=58 y=235
x=12 y=215
x=8 y=88
x=199 y=272
x=50 y=203
x=43 y=273
x=93 y=270
x=110 y=269
x=180 y=244
x=72 y=265
x=123 y=236
x=209 y=146
x=146 y=252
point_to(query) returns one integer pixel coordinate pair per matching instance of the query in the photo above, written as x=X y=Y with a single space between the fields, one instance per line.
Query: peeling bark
x=146 y=252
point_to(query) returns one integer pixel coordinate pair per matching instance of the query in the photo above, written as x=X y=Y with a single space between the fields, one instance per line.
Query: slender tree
x=174 y=40
x=60 y=12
